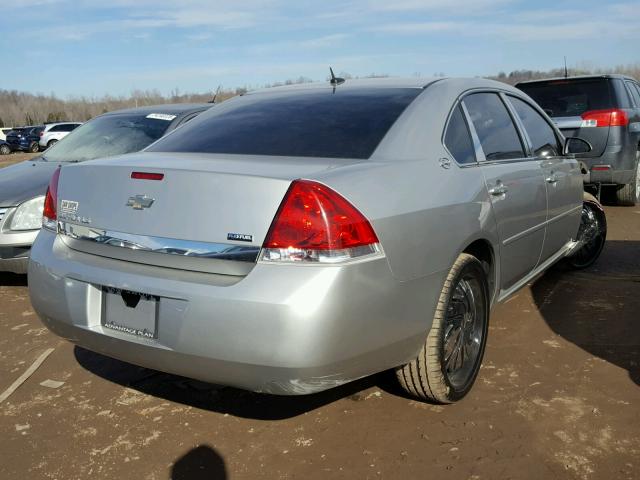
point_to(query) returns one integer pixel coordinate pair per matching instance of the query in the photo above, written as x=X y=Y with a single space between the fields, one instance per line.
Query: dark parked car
x=23 y=185
x=25 y=139
x=605 y=111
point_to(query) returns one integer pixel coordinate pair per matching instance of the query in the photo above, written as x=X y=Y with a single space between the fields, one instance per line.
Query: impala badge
x=139 y=202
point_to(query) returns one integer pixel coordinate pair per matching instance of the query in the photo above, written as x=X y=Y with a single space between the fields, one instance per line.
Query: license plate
x=130 y=312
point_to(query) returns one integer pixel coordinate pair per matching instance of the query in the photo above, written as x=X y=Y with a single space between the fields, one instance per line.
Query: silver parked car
x=294 y=239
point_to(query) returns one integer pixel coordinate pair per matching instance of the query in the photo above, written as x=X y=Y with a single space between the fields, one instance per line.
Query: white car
x=54 y=132
x=3 y=132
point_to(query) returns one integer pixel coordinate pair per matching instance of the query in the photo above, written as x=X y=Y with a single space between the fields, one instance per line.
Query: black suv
x=605 y=111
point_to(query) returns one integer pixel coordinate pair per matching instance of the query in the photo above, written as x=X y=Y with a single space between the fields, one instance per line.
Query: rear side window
x=458 y=140
x=633 y=89
x=494 y=126
x=570 y=98
x=347 y=123
x=56 y=128
x=541 y=134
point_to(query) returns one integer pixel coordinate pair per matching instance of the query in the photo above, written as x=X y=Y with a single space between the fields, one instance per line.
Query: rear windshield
x=342 y=124
x=570 y=98
x=107 y=136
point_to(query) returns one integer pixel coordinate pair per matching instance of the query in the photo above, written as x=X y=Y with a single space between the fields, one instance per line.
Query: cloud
x=459 y=7
x=412 y=28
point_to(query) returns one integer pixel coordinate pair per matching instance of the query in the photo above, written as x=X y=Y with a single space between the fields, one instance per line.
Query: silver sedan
x=297 y=238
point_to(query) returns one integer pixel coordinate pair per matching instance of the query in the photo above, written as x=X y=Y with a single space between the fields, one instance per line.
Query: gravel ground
x=6 y=160
x=557 y=398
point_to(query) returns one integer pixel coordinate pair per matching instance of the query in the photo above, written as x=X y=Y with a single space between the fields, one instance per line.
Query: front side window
x=107 y=136
x=458 y=140
x=494 y=126
x=347 y=123
x=541 y=134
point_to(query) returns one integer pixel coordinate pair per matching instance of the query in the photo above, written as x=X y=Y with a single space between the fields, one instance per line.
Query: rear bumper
x=622 y=161
x=283 y=329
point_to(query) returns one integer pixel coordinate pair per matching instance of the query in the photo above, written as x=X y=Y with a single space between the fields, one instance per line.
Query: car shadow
x=597 y=308
x=12 y=280
x=216 y=398
x=199 y=463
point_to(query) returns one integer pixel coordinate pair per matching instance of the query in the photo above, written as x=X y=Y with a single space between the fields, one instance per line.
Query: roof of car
x=578 y=77
x=171 y=108
x=386 y=82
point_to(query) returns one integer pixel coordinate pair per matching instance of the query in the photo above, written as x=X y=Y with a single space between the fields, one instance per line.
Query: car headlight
x=28 y=216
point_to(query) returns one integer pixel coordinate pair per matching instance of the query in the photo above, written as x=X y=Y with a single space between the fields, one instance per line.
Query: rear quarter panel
x=424 y=215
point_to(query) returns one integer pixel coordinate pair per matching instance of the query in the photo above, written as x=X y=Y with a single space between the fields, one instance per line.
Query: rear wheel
x=5 y=150
x=448 y=363
x=593 y=231
x=629 y=194
x=51 y=143
x=34 y=147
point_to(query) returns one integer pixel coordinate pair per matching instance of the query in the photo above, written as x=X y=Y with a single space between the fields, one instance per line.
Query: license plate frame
x=138 y=317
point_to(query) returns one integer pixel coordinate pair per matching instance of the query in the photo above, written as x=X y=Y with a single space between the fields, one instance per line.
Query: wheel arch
x=484 y=251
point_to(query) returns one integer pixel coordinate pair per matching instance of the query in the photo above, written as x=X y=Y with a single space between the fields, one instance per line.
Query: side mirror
x=576 y=145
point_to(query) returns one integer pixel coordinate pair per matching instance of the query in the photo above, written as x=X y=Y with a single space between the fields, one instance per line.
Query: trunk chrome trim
x=222 y=258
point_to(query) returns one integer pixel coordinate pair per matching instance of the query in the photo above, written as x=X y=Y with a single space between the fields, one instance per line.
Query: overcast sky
x=84 y=47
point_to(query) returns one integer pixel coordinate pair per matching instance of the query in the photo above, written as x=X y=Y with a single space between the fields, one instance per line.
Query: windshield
x=107 y=136
x=570 y=98
x=347 y=123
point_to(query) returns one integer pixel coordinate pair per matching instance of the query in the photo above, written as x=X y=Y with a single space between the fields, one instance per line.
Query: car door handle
x=551 y=179
x=498 y=190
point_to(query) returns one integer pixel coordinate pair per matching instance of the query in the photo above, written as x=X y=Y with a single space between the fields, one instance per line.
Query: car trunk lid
x=203 y=212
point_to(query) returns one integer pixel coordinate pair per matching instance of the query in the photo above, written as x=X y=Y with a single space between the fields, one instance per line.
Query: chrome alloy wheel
x=464 y=331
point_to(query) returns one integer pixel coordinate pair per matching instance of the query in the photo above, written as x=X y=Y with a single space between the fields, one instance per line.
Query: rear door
x=515 y=183
x=561 y=174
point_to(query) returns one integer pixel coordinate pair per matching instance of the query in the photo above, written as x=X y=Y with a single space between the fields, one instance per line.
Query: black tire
x=51 y=143
x=429 y=376
x=5 y=150
x=628 y=195
x=34 y=147
x=592 y=219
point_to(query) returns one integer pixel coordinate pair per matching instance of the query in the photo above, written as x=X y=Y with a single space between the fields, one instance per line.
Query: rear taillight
x=41 y=134
x=612 y=117
x=316 y=224
x=49 y=214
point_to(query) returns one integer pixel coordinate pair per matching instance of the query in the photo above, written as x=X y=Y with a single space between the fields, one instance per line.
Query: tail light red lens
x=50 y=214
x=612 y=117
x=315 y=223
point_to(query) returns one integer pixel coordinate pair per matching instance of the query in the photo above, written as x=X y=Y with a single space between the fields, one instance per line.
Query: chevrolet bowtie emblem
x=139 y=202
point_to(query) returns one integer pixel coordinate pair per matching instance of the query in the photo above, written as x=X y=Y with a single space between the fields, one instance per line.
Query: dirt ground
x=6 y=160
x=557 y=398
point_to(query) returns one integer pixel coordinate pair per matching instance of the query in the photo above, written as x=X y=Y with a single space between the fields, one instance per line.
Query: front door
x=561 y=176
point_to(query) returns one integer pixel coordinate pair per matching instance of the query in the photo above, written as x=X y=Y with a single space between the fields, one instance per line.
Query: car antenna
x=335 y=81
x=215 y=95
x=566 y=72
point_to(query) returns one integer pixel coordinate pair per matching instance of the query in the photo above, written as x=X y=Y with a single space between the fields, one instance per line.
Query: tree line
x=22 y=108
